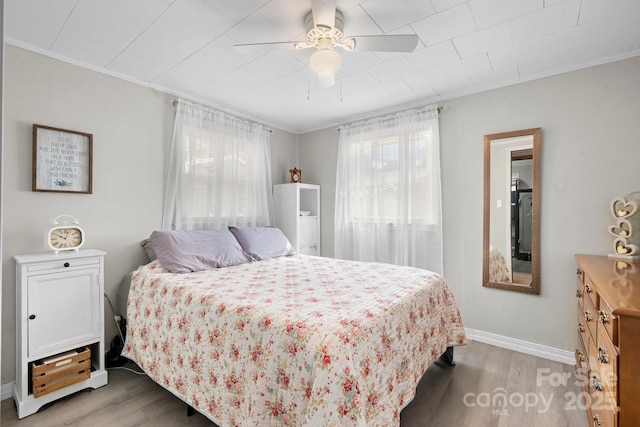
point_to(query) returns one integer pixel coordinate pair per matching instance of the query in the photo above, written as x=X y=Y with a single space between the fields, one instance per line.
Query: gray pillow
x=146 y=244
x=263 y=242
x=184 y=251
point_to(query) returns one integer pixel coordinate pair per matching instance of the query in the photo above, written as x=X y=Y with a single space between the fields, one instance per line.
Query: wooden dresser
x=608 y=353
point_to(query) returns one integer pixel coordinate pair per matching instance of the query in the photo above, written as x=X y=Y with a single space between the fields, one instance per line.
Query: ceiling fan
x=324 y=26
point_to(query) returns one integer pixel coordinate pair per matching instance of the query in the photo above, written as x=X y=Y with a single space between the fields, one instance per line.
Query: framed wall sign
x=62 y=160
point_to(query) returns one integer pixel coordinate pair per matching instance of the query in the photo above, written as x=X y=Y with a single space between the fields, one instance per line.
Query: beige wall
x=590 y=122
x=284 y=155
x=318 y=161
x=131 y=125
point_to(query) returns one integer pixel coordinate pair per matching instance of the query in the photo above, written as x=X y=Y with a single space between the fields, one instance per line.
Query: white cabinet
x=291 y=203
x=58 y=308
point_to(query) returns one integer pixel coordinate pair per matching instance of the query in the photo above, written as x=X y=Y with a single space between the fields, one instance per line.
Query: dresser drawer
x=580 y=274
x=607 y=319
x=607 y=356
x=602 y=401
x=583 y=330
x=595 y=381
x=580 y=292
x=582 y=366
x=590 y=291
x=604 y=411
x=590 y=316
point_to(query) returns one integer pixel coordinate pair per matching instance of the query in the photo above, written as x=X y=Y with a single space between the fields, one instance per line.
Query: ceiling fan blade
x=324 y=12
x=261 y=47
x=386 y=43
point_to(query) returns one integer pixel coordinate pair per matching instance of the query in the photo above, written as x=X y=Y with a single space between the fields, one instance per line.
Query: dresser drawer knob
x=587 y=316
x=596 y=421
x=602 y=355
x=595 y=382
x=587 y=288
x=579 y=355
x=580 y=328
x=604 y=317
x=66 y=264
x=33 y=316
x=578 y=293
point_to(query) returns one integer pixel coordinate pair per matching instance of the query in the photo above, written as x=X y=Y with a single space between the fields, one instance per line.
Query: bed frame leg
x=190 y=411
x=447 y=356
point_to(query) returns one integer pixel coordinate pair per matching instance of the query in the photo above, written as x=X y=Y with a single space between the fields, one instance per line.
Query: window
x=383 y=178
x=388 y=190
x=220 y=171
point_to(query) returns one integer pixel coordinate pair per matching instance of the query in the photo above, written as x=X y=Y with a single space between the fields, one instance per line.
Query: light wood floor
x=454 y=396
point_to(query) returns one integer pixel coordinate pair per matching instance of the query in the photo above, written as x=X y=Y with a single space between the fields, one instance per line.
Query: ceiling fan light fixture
x=325 y=62
x=327 y=81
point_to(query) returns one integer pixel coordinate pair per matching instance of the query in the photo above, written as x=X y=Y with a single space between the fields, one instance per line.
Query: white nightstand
x=59 y=308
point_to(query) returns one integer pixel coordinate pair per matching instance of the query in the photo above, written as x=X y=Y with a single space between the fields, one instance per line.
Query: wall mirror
x=511 y=257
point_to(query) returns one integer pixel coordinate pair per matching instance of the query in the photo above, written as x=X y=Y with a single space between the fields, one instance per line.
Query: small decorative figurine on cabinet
x=296 y=175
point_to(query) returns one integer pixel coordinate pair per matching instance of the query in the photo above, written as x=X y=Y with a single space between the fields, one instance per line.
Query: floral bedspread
x=299 y=340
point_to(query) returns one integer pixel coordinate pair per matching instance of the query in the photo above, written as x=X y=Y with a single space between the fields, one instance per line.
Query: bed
x=291 y=340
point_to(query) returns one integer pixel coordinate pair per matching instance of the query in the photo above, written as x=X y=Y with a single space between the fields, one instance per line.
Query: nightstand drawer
x=63 y=264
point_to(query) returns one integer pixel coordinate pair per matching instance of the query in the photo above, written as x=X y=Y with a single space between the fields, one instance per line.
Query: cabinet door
x=307 y=231
x=65 y=308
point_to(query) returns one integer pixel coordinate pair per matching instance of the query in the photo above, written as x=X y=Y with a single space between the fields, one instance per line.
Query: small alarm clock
x=65 y=235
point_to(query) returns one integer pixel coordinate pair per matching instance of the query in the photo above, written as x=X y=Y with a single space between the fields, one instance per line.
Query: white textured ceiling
x=185 y=47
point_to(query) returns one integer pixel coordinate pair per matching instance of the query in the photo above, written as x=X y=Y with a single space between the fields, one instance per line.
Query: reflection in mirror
x=511 y=211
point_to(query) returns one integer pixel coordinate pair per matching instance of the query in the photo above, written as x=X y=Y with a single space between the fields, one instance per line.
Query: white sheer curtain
x=388 y=203
x=219 y=171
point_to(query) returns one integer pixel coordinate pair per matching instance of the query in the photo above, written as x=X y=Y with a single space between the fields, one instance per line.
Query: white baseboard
x=550 y=353
x=543 y=351
x=6 y=391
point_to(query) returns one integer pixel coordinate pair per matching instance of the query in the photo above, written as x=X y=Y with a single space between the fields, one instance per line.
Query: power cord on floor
x=127 y=369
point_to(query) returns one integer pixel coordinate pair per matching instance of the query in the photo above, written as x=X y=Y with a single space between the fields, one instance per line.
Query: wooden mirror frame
x=534 y=286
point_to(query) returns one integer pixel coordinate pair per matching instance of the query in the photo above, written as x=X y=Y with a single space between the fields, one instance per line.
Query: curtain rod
x=175 y=101
x=438 y=109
